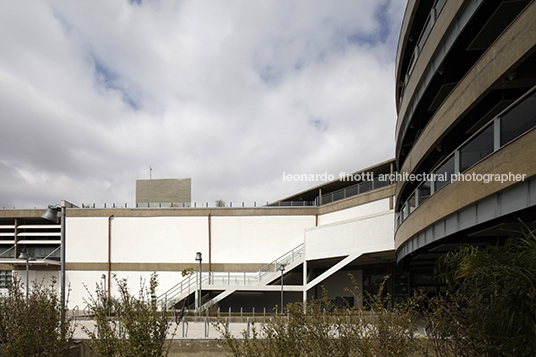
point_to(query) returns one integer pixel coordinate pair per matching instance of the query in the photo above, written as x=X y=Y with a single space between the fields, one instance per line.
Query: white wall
x=256 y=239
x=40 y=276
x=159 y=239
x=355 y=212
x=365 y=234
x=136 y=239
x=86 y=239
x=235 y=239
x=76 y=279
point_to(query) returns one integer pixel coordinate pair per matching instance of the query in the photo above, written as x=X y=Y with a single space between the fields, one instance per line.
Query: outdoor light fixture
x=282 y=268
x=28 y=258
x=51 y=214
x=199 y=258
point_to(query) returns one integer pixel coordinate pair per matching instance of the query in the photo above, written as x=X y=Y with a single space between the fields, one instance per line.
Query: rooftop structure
x=163 y=191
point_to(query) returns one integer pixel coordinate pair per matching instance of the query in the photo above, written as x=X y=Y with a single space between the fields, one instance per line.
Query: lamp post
x=103 y=277
x=282 y=268
x=199 y=257
x=52 y=215
x=28 y=258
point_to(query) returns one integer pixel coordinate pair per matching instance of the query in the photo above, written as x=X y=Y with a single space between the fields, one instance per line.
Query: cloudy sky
x=231 y=94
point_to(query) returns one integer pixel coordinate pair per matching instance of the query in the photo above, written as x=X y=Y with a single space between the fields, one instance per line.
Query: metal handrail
x=7 y=250
x=285 y=259
x=230 y=278
x=48 y=255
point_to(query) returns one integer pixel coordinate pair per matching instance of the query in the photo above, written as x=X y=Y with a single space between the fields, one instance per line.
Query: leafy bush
x=495 y=291
x=320 y=329
x=32 y=326
x=128 y=325
x=489 y=309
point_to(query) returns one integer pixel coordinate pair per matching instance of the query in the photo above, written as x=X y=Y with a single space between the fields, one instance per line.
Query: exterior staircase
x=229 y=282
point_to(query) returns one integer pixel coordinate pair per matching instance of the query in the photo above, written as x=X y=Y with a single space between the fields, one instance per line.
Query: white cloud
x=231 y=94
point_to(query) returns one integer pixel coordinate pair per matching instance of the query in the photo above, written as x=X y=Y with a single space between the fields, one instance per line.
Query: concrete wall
x=355 y=211
x=142 y=245
x=364 y=234
x=164 y=190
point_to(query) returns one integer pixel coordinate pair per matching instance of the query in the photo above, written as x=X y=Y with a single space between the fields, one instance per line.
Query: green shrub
x=32 y=326
x=320 y=329
x=489 y=310
x=129 y=325
x=494 y=288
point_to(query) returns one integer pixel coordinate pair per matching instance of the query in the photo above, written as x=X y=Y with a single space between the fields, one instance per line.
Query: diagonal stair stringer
x=349 y=259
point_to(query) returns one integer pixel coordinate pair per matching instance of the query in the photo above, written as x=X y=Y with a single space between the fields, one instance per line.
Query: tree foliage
x=496 y=289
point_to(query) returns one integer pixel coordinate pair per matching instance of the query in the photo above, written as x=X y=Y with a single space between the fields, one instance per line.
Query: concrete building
x=166 y=192
x=319 y=236
x=466 y=101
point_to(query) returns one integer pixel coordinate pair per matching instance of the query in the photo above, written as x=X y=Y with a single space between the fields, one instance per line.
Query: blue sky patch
x=318 y=124
x=109 y=80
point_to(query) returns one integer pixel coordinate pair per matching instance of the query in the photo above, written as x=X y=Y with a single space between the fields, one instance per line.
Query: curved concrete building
x=465 y=138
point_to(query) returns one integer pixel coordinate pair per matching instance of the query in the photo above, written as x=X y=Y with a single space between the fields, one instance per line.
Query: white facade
x=242 y=248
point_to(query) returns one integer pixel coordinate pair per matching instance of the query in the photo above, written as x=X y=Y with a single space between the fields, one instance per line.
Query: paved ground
x=191 y=330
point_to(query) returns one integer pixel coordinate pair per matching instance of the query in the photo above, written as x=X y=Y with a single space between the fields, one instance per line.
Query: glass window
x=518 y=120
x=439 y=5
x=424 y=191
x=478 y=148
x=338 y=195
x=351 y=191
x=5 y=278
x=425 y=32
x=411 y=203
x=379 y=183
x=365 y=187
x=444 y=173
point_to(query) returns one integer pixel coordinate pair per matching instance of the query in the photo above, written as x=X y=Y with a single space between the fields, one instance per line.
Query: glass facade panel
x=518 y=120
x=338 y=195
x=424 y=191
x=380 y=183
x=439 y=5
x=351 y=191
x=5 y=278
x=425 y=32
x=411 y=203
x=478 y=148
x=365 y=187
x=444 y=173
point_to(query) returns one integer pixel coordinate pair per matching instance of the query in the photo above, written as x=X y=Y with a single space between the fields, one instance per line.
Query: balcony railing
x=423 y=36
x=516 y=120
x=354 y=190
